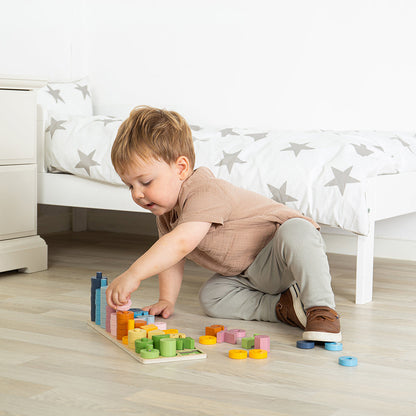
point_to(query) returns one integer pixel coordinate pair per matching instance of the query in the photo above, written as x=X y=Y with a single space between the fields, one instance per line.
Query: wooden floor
x=52 y=363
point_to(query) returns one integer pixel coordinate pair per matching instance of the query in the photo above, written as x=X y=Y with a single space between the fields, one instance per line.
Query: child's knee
x=210 y=293
x=296 y=230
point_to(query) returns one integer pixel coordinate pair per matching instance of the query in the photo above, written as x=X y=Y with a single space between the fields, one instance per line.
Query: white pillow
x=82 y=146
x=65 y=99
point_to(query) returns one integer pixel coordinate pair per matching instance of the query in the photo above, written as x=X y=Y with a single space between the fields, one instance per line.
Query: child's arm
x=169 y=250
x=169 y=286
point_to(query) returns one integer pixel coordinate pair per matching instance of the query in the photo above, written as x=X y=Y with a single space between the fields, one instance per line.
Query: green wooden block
x=156 y=340
x=247 y=342
x=179 y=344
x=142 y=343
x=189 y=343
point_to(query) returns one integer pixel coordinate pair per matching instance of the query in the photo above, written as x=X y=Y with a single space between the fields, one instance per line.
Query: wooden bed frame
x=387 y=195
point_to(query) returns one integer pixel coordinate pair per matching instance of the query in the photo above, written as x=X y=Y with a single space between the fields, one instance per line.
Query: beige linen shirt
x=242 y=221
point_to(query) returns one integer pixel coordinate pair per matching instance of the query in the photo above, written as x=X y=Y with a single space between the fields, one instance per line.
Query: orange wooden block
x=149 y=327
x=138 y=323
x=213 y=330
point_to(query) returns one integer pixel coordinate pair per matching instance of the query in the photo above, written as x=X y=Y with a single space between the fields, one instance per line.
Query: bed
x=343 y=179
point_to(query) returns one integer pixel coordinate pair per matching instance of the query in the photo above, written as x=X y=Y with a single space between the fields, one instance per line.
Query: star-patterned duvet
x=319 y=173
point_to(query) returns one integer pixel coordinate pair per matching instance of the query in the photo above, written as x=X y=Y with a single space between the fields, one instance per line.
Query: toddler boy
x=269 y=260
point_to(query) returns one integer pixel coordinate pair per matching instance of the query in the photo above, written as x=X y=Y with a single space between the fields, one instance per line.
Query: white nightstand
x=20 y=247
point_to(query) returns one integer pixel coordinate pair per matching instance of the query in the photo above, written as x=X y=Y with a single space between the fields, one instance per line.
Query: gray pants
x=295 y=254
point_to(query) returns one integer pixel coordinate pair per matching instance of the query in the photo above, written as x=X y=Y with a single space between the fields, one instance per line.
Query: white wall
x=272 y=64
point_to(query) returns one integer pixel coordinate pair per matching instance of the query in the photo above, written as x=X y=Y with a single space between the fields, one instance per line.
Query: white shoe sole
x=322 y=336
x=297 y=304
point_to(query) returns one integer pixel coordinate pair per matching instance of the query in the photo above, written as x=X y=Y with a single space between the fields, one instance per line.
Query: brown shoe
x=322 y=325
x=289 y=309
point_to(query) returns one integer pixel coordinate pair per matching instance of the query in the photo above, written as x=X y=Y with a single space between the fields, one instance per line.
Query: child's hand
x=120 y=289
x=163 y=307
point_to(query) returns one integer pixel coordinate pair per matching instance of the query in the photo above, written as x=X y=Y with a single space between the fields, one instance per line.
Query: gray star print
x=195 y=128
x=84 y=90
x=341 y=178
x=280 y=195
x=226 y=132
x=55 y=125
x=257 y=136
x=404 y=144
x=298 y=147
x=229 y=160
x=86 y=162
x=362 y=149
x=107 y=120
x=55 y=94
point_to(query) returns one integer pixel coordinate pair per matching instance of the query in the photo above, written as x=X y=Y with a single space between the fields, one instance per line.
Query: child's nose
x=137 y=193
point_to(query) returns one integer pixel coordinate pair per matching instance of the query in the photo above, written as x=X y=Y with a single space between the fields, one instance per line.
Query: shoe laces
x=322 y=313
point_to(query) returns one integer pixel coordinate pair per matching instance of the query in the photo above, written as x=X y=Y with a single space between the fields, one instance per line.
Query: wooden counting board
x=182 y=355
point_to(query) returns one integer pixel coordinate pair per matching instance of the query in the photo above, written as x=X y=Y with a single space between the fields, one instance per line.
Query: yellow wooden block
x=130 y=324
x=154 y=332
x=207 y=340
x=178 y=335
x=134 y=334
x=170 y=331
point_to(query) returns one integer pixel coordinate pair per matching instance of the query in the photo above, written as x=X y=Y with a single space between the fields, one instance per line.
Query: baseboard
x=387 y=248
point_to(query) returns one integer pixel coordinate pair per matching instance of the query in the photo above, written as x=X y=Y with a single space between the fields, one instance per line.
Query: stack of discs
x=98 y=306
x=103 y=304
x=108 y=311
x=95 y=284
x=113 y=324
x=133 y=335
x=122 y=323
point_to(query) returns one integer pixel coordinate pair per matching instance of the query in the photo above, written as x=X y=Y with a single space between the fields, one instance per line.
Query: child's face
x=154 y=184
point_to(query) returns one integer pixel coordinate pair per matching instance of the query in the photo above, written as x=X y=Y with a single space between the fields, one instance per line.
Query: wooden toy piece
x=138 y=323
x=154 y=332
x=207 y=340
x=239 y=333
x=149 y=353
x=262 y=342
x=220 y=337
x=143 y=343
x=122 y=326
x=247 y=342
x=348 y=361
x=213 y=330
x=130 y=324
x=125 y=340
x=333 y=346
x=168 y=347
x=257 y=354
x=148 y=328
x=179 y=343
x=189 y=343
x=237 y=354
x=161 y=325
x=113 y=324
x=171 y=331
x=133 y=334
x=183 y=355
x=156 y=339
x=230 y=337
x=305 y=345
x=178 y=335
x=125 y=307
x=109 y=312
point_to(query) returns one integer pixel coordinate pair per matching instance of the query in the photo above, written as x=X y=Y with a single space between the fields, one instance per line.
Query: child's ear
x=183 y=166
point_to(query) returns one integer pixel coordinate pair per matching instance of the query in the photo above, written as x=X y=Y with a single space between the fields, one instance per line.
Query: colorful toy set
x=137 y=332
x=149 y=341
x=216 y=334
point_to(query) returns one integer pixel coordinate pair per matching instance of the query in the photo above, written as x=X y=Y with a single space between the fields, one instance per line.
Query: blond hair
x=152 y=133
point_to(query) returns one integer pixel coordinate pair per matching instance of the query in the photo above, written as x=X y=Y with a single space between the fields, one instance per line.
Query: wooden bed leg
x=364 y=271
x=79 y=219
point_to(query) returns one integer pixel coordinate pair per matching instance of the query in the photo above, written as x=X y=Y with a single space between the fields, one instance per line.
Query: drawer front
x=18 y=208
x=17 y=127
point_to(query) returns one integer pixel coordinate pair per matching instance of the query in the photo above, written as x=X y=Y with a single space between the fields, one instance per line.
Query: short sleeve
x=206 y=202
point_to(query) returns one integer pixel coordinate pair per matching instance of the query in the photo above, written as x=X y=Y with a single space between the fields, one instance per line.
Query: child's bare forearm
x=170 y=282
